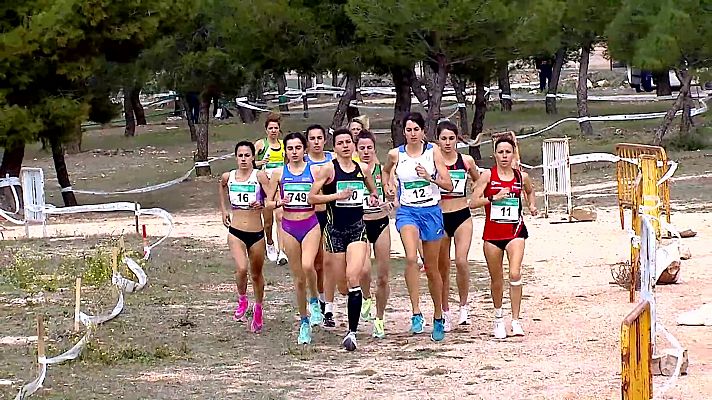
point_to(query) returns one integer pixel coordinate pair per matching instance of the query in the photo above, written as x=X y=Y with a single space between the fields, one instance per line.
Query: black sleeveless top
x=342 y=217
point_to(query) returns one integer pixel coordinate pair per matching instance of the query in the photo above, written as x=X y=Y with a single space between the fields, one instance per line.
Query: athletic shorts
x=336 y=240
x=428 y=220
x=321 y=216
x=453 y=220
x=248 y=238
x=375 y=227
x=502 y=244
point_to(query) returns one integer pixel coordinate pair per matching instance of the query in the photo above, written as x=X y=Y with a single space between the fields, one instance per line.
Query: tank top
x=244 y=193
x=503 y=218
x=413 y=190
x=274 y=157
x=328 y=156
x=296 y=188
x=348 y=211
x=377 y=178
x=458 y=174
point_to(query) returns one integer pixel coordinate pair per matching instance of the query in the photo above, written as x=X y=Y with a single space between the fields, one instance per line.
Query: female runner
x=500 y=190
x=270 y=157
x=343 y=183
x=244 y=188
x=456 y=218
x=420 y=172
x=300 y=229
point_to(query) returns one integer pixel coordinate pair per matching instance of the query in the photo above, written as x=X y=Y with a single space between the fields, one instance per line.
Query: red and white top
x=503 y=218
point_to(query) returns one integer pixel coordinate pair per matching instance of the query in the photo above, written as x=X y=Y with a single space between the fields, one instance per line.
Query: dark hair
x=250 y=146
x=447 y=125
x=366 y=134
x=273 y=117
x=505 y=140
x=296 y=135
x=316 y=126
x=339 y=132
x=415 y=117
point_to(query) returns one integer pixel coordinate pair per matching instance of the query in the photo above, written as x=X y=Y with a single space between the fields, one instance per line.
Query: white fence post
x=556 y=172
x=33 y=197
x=648 y=273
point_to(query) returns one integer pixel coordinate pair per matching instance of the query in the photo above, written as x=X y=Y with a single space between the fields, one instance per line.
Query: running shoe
x=322 y=304
x=464 y=315
x=517 y=329
x=241 y=309
x=282 y=258
x=329 y=320
x=438 y=334
x=272 y=252
x=349 y=341
x=421 y=264
x=316 y=317
x=305 y=331
x=379 y=329
x=448 y=322
x=500 y=331
x=416 y=324
x=256 y=326
x=366 y=310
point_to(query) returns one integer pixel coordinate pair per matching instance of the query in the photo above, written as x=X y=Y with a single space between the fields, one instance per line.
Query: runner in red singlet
x=500 y=190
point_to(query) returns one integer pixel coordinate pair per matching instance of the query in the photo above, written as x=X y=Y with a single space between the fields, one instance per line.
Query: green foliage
x=96 y=353
x=698 y=139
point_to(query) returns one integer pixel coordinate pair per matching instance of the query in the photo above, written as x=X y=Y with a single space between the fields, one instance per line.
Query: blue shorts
x=428 y=220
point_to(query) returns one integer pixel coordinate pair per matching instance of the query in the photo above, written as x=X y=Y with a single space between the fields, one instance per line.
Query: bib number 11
x=505 y=210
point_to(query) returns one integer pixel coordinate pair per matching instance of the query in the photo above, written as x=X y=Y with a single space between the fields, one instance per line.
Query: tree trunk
x=554 y=81
x=458 y=83
x=191 y=124
x=60 y=166
x=420 y=93
x=436 y=96
x=670 y=114
x=686 y=121
x=662 y=83
x=505 y=91
x=12 y=160
x=282 y=89
x=201 y=156
x=137 y=106
x=130 y=129
x=582 y=90
x=247 y=115
x=335 y=78
x=403 y=80
x=478 y=121
x=342 y=108
x=319 y=79
x=74 y=144
x=305 y=103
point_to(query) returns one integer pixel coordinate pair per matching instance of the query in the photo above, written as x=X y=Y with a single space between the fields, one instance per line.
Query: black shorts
x=375 y=227
x=321 y=216
x=248 y=238
x=502 y=244
x=337 y=240
x=453 y=220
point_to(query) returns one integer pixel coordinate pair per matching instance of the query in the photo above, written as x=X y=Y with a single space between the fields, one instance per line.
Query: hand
x=420 y=170
x=344 y=194
x=390 y=192
x=501 y=195
x=282 y=202
x=226 y=219
x=373 y=200
x=260 y=163
x=256 y=205
x=533 y=210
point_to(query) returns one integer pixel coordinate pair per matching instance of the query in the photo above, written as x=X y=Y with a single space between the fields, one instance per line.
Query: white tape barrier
x=89 y=322
x=11 y=182
x=618 y=117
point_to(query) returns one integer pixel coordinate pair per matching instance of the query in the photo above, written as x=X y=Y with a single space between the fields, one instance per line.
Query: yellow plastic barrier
x=627 y=175
x=637 y=354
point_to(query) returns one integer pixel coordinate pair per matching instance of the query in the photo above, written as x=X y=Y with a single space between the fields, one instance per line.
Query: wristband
x=490 y=199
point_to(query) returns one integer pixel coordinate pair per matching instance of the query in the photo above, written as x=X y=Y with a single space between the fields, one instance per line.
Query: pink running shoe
x=241 y=309
x=256 y=326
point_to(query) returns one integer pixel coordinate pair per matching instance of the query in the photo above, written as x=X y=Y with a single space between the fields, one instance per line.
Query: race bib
x=356 y=198
x=418 y=191
x=505 y=210
x=381 y=197
x=242 y=194
x=296 y=194
x=459 y=182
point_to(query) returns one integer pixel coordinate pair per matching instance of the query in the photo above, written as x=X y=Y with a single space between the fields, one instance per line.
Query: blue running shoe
x=304 y=332
x=416 y=323
x=315 y=317
x=438 y=330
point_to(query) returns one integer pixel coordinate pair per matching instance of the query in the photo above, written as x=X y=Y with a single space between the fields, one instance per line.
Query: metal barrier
x=636 y=354
x=627 y=176
x=557 y=172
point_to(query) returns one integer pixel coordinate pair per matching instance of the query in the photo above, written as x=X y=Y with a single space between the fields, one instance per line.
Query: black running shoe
x=323 y=307
x=329 y=320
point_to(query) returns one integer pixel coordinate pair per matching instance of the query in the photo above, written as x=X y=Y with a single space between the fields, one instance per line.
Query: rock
x=699 y=317
x=685 y=253
x=581 y=214
x=665 y=363
x=589 y=84
x=667 y=264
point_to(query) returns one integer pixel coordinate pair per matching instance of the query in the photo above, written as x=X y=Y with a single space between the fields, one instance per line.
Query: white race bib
x=415 y=192
x=270 y=167
x=381 y=197
x=356 y=198
x=459 y=182
x=505 y=210
x=242 y=194
x=297 y=194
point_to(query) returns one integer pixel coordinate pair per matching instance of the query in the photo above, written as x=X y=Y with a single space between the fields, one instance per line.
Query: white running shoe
x=349 y=341
x=517 y=328
x=272 y=252
x=464 y=316
x=282 y=258
x=500 y=330
x=448 y=322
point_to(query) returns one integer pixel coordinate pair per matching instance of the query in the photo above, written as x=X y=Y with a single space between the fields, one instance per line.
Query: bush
x=699 y=138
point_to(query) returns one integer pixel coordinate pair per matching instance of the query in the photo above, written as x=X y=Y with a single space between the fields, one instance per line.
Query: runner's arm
x=368 y=178
x=323 y=175
x=259 y=146
x=270 y=202
x=387 y=173
x=529 y=190
x=442 y=177
x=477 y=199
x=471 y=167
x=222 y=185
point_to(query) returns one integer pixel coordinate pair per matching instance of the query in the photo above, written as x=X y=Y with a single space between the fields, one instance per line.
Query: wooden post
x=40 y=339
x=114 y=259
x=136 y=216
x=77 y=303
x=122 y=245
